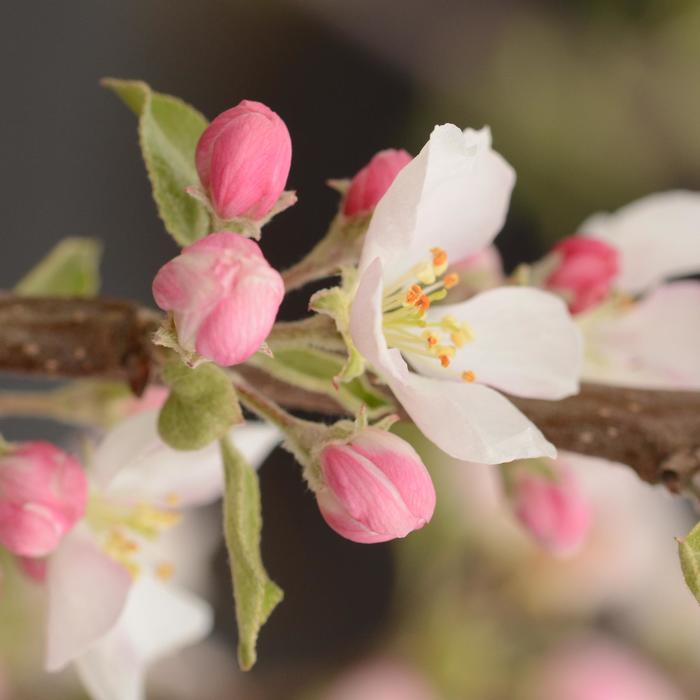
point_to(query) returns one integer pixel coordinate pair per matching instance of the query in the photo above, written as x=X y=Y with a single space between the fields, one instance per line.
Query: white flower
x=451 y=201
x=111 y=608
x=652 y=342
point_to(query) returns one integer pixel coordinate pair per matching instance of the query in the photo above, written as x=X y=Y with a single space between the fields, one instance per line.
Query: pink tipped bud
x=43 y=492
x=551 y=508
x=585 y=273
x=243 y=159
x=375 y=487
x=223 y=294
x=370 y=183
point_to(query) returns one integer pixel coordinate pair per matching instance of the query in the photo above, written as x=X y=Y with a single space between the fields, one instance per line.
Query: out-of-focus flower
x=43 y=491
x=451 y=200
x=370 y=183
x=548 y=502
x=585 y=271
x=223 y=294
x=600 y=670
x=656 y=236
x=380 y=679
x=375 y=487
x=112 y=609
x=243 y=160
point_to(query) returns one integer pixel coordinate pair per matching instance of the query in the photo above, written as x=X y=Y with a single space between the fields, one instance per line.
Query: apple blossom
x=585 y=271
x=448 y=204
x=370 y=183
x=374 y=487
x=43 y=491
x=547 y=501
x=223 y=294
x=243 y=159
x=112 y=607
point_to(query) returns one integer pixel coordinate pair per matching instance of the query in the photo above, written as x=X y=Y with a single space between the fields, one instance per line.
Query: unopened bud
x=243 y=160
x=586 y=271
x=374 y=487
x=369 y=184
x=223 y=294
x=43 y=492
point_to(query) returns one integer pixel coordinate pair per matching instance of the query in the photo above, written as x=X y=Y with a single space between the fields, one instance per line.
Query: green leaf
x=689 y=553
x=201 y=408
x=256 y=596
x=317 y=370
x=71 y=269
x=168 y=132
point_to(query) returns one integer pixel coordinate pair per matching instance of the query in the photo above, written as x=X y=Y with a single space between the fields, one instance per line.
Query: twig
x=656 y=433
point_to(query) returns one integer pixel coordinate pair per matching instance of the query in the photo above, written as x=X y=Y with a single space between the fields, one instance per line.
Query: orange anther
x=468 y=376
x=423 y=303
x=444 y=360
x=439 y=257
x=451 y=280
x=431 y=340
x=414 y=294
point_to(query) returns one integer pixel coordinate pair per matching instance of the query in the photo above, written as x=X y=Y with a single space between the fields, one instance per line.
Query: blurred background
x=594 y=103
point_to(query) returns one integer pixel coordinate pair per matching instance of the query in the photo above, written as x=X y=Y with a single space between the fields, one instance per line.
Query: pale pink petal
x=525 y=343
x=470 y=421
x=654 y=343
x=87 y=593
x=132 y=463
x=658 y=238
x=454 y=195
x=158 y=620
x=366 y=325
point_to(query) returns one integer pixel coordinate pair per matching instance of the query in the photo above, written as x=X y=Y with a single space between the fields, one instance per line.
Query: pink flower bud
x=551 y=508
x=43 y=492
x=369 y=184
x=585 y=273
x=375 y=487
x=223 y=294
x=243 y=159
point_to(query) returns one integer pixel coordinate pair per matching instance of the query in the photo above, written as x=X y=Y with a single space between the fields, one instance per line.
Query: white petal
x=658 y=237
x=87 y=593
x=454 y=195
x=134 y=464
x=525 y=343
x=654 y=344
x=158 y=620
x=366 y=325
x=470 y=421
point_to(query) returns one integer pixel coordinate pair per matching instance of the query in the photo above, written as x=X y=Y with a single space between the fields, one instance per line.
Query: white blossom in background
x=113 y=607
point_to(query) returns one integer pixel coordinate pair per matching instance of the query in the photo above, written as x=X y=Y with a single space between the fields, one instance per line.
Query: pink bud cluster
x=375 y=487
x=223 y=294
x=43 y=492
x=369 y=185
x=243 y=160
x=585 y=273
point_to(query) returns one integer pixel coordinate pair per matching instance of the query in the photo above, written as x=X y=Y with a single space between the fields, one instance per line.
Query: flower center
x=122 y=529
x=404 y=308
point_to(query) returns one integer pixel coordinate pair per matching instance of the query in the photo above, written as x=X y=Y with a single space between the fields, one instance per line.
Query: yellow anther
x=173 y=499
x=425 y=273
x=468 y=376
x=459 y=338
x=164 y=570
x=451 y=280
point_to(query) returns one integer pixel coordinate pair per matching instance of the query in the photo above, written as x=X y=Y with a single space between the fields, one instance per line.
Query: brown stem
x=656 y=433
